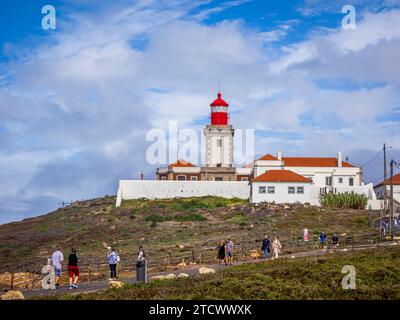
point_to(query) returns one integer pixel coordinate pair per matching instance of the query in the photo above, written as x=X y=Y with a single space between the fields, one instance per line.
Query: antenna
x=219 y=86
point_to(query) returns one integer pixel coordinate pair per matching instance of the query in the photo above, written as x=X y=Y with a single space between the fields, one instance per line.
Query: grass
x=377 y=277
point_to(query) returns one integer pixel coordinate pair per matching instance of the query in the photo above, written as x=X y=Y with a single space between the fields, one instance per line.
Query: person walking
x=335 y=241
x=57 y=259
x=266 y=246
x=141 y=255
x=73 y=269
x=276 y=247
x=229 y=252
x=221 y=252
x=322 y=239
x=113 y=260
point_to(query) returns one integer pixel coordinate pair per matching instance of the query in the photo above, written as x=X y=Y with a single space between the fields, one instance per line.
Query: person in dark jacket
x=73 y=269
x=322 y=239
x=266 y=246
x=221 y=252
x=335 y=241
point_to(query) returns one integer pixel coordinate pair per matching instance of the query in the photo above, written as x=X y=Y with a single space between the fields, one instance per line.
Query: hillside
x=318 y=277
x=168 y=229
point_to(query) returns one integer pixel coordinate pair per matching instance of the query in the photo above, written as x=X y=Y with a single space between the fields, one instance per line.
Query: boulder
x=255 y=254
x=204 y=270
x=164 y=277
x=12 y=295
x=183 y=275
x=115 y=284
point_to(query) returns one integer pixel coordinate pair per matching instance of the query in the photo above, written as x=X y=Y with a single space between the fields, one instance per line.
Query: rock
x=255 y=254
x=12 y=295
x=112 y=227
x=181 y=246
x=164 y=277
x=115 y=284
x=204 y=270
x=286 y=207
x=183 y=275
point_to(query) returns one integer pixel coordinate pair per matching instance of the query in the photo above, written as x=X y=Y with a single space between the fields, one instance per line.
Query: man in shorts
x=57 y=259
x=229 y=252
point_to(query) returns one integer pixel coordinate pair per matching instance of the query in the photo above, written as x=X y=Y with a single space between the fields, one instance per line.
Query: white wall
x=161 y=189
x=311 y=193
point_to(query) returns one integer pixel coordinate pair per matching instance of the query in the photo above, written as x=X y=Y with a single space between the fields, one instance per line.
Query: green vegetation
x=320 y=277
x=344 y=200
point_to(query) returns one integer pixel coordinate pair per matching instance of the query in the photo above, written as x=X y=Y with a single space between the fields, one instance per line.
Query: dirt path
x=94 y=286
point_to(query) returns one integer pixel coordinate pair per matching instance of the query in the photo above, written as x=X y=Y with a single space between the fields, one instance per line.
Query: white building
x=281 y=186
x=270 y=178
x=379 y=188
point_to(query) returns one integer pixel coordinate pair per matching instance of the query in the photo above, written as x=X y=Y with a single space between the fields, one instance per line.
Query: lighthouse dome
x=219 y=102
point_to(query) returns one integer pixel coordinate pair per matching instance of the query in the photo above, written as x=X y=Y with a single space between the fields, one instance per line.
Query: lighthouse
x=219 y=136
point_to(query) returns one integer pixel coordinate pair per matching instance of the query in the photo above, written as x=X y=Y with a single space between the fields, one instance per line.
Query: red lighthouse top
x=219 y=102
x=219 y=111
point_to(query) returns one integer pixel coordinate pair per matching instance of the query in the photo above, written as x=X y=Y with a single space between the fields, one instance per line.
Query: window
x=271 y=190
x=261 y=190
x=219 y=143
x=328 y=181
x=340 y=180
x=218 y=179
x=193 y=178
x=163 y=178
x=291 y=190
x=181 y=177
x=244 y=179
x=300 y=189
x=351 y=181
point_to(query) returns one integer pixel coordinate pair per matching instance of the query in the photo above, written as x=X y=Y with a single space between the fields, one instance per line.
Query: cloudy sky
x=76 y=102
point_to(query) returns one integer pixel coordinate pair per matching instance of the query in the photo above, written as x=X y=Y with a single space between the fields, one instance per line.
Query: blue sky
x=76 y=102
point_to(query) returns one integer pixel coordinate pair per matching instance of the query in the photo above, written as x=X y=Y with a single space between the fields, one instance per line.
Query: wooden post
x=200 y=259
x=241 y=246
x=89 y=272
x=12 y=281
x=193 y=258
x=170 y=258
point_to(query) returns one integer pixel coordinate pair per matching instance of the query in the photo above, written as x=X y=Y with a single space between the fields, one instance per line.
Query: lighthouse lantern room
x=219 y=136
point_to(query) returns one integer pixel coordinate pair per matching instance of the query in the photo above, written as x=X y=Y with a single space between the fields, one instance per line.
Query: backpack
x=113 y=258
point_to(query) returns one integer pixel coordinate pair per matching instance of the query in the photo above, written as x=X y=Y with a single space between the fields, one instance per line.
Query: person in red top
x=73 y=269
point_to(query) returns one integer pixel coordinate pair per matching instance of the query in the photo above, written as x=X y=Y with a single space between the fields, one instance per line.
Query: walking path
x=94 y=286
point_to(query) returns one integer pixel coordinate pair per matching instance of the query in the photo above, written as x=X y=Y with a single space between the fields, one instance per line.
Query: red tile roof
x=396 y=181
x=281 y=176
x=180 y=163
x=312 y=162
x=268 y=157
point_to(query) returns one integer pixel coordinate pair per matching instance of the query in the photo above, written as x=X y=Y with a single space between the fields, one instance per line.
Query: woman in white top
x=276 y=247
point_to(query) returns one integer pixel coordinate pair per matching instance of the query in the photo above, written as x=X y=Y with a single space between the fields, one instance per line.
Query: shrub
x=190 y=217
x=344 y=200
x=154 y=218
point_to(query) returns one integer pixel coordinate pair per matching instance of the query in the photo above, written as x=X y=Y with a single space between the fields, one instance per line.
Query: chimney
x=279 y=156
x=339 y=159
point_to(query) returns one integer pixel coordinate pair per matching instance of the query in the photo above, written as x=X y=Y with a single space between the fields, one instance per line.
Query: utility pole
x=384 y=180
x=391 y=199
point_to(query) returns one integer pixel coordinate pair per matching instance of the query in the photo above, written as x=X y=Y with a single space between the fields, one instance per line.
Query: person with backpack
x=73 y=269
x=266 y=246
x=113 y=260
x=57 y=259
x=322 y=239
x=335 y=241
